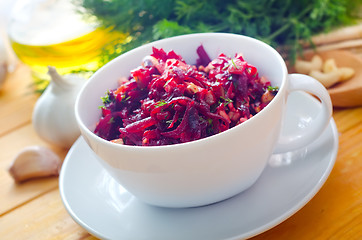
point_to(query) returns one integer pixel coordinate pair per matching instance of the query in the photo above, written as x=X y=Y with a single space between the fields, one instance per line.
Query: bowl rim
x=85 y=130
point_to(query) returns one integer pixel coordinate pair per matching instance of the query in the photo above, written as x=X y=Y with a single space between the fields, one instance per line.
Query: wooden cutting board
x=347 y=93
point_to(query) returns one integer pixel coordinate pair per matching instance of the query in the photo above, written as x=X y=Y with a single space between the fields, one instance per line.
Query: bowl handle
x=291 y=142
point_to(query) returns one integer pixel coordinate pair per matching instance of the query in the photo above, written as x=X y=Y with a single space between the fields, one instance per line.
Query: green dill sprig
x=282 y=24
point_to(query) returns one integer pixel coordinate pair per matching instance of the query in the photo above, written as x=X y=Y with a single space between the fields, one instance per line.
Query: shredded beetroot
x=166 y=101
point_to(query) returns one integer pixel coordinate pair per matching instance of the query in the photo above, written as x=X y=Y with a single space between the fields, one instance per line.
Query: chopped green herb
x=171 y=120
x=236 y=66
x=106 y=99
x=273 y=89
x=125 y=99
x=111 y=120
x=161 y=103
x=226 y=101
x=226 y=66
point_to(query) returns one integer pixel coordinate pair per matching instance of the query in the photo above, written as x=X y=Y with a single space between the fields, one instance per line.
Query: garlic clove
x=58 y=80
x=35 y=162
x=329 y=65
x=305 y=67
x=327 y=79
x=346 y=73
x=53 y=115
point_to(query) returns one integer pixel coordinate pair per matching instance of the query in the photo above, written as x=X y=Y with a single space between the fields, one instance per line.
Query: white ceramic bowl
x=203 y=171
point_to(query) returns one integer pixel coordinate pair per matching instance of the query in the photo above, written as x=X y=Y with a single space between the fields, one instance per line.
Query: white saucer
x=107 y=211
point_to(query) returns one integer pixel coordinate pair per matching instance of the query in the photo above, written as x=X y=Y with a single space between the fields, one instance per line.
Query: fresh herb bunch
x=276 y=22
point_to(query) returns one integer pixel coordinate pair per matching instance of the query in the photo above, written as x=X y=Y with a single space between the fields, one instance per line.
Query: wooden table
x=34 y=210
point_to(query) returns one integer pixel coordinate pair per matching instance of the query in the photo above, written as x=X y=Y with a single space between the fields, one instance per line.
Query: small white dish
x=106 y=210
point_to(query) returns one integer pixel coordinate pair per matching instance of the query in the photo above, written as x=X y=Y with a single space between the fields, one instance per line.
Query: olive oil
x=58 y=33
x=81 y=53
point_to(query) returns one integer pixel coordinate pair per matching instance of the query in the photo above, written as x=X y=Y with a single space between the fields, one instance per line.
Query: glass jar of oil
x=58 y=33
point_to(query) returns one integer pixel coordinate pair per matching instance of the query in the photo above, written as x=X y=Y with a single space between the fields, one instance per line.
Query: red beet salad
x=167 y=101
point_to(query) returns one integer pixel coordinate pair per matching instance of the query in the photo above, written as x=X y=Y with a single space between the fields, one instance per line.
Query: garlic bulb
x=53 y=115
x=35 y=162
x=3 y=62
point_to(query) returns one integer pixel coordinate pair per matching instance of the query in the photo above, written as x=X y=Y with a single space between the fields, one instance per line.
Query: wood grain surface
x=33 y=210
